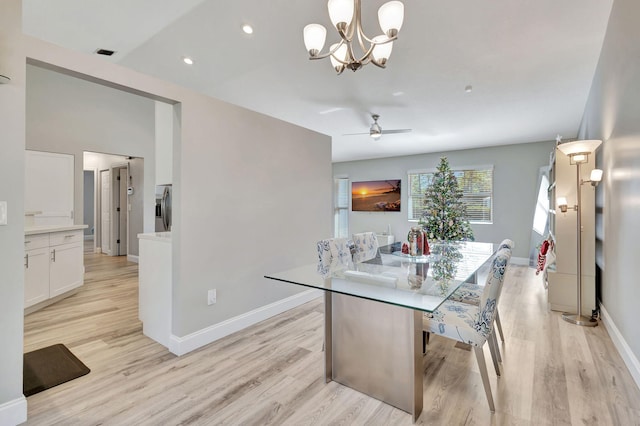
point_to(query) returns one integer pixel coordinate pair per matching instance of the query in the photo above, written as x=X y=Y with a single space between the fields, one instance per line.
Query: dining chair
x=473 y=324
x=366 y=246
x=471 y=293
x=333 y=254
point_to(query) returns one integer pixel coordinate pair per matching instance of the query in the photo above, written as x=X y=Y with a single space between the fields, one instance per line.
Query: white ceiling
x=530 y=62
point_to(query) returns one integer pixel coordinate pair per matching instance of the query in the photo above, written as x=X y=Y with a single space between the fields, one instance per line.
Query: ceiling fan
x=375 y=131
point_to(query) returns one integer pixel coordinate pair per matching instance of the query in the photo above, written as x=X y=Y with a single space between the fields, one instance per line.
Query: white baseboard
x=519 y=261
x=132 y=258
x=621 y=345
x=13 y=412
x=190 y=342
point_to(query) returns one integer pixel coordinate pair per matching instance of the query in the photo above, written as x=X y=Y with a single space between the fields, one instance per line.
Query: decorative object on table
x=415 y=238
x=578 y=153
x=417 y=242
x=376 y=196
x=346 y=18
x=333 y=254
x=444 y=215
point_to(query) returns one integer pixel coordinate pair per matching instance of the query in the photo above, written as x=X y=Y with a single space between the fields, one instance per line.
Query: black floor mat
x=48 y=367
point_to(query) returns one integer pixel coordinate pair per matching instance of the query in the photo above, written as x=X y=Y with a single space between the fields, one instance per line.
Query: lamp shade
x=381 y=52
x=562 y=201
x=596 y=175
x=579 y=147
x=391 y=17
x=340 y=11
x=340 y=53
x=314 y=37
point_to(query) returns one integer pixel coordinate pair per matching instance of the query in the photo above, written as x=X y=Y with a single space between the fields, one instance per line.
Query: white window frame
x=341 y=207
x=410 y=196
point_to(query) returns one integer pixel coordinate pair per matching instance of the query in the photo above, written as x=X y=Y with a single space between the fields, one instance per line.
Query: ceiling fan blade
x=388 y=132
x=355 y=134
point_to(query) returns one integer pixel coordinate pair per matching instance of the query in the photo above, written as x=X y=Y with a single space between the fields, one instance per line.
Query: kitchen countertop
x=156 y=236
x=45 y=229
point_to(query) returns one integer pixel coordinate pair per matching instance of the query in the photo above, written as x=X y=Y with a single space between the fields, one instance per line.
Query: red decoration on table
x=405 y=248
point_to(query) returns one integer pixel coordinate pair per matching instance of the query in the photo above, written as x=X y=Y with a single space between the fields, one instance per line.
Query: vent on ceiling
x=105 y=52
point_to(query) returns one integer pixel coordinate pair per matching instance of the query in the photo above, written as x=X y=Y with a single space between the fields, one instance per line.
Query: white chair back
x=333 y=254
x=491 y=294
x=366 y=245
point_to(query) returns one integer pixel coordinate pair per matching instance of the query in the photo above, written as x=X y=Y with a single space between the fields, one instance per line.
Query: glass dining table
x=373 y=314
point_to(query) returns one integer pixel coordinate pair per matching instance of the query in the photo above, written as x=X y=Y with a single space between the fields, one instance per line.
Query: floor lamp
x=578 y=153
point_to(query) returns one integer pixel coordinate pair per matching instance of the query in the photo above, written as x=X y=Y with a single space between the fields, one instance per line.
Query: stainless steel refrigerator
x=163 y=208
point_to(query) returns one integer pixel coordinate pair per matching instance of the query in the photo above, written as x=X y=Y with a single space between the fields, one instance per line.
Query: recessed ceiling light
x=248 y=29
x=187 y=60
x=105 y=52
x=468 y=88
x=398 y=93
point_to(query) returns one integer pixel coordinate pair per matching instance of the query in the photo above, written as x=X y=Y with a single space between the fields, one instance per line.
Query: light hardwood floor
x=554 y=373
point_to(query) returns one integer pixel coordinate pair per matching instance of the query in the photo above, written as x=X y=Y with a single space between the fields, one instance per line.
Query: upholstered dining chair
x=473 y=324
x=366 y=246
x=333 y=254
x=471 y=293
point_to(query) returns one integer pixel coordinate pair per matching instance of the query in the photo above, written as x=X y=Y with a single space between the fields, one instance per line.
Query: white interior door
x=105 y=211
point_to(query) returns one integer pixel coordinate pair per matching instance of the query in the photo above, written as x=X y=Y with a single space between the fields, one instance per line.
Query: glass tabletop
x=400 y=280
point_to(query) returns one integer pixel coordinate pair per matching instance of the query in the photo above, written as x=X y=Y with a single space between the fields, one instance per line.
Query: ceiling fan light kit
x=346 y=17
x=375 y=131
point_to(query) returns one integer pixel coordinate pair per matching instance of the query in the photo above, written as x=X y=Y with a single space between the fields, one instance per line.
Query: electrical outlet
x=211 y=297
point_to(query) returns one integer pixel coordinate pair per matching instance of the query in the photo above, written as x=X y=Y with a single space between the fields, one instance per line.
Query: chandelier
x=346 y=17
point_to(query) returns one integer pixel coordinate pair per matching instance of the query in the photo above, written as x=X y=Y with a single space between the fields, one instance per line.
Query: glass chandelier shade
x=346 y=17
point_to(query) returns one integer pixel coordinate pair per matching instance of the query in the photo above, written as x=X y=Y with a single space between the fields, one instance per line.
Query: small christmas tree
x=444 y=216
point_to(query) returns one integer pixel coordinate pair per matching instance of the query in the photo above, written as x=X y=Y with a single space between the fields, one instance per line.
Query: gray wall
x=246 y=188
x=252 y=194
x=12 y=123
x=515 y=189
x=613 y=115
x=69 y=115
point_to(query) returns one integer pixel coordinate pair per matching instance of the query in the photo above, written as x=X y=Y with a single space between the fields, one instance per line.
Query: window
x=341 y=207
x=476 y=185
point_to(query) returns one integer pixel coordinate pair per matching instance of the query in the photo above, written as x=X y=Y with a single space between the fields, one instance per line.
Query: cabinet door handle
x=26 y=260
x=53 y=255
x=68 y=236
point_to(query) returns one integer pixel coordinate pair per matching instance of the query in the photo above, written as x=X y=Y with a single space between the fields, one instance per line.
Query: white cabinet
x=154 y=288
x=36 y=269
x=53 y=265
x=65 y=269
x=385 y=239
x=48 y=194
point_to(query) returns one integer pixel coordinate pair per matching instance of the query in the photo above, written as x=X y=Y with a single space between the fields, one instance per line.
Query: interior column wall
x=13 y=406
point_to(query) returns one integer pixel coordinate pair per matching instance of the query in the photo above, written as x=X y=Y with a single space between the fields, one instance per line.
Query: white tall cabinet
x=562 y=277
